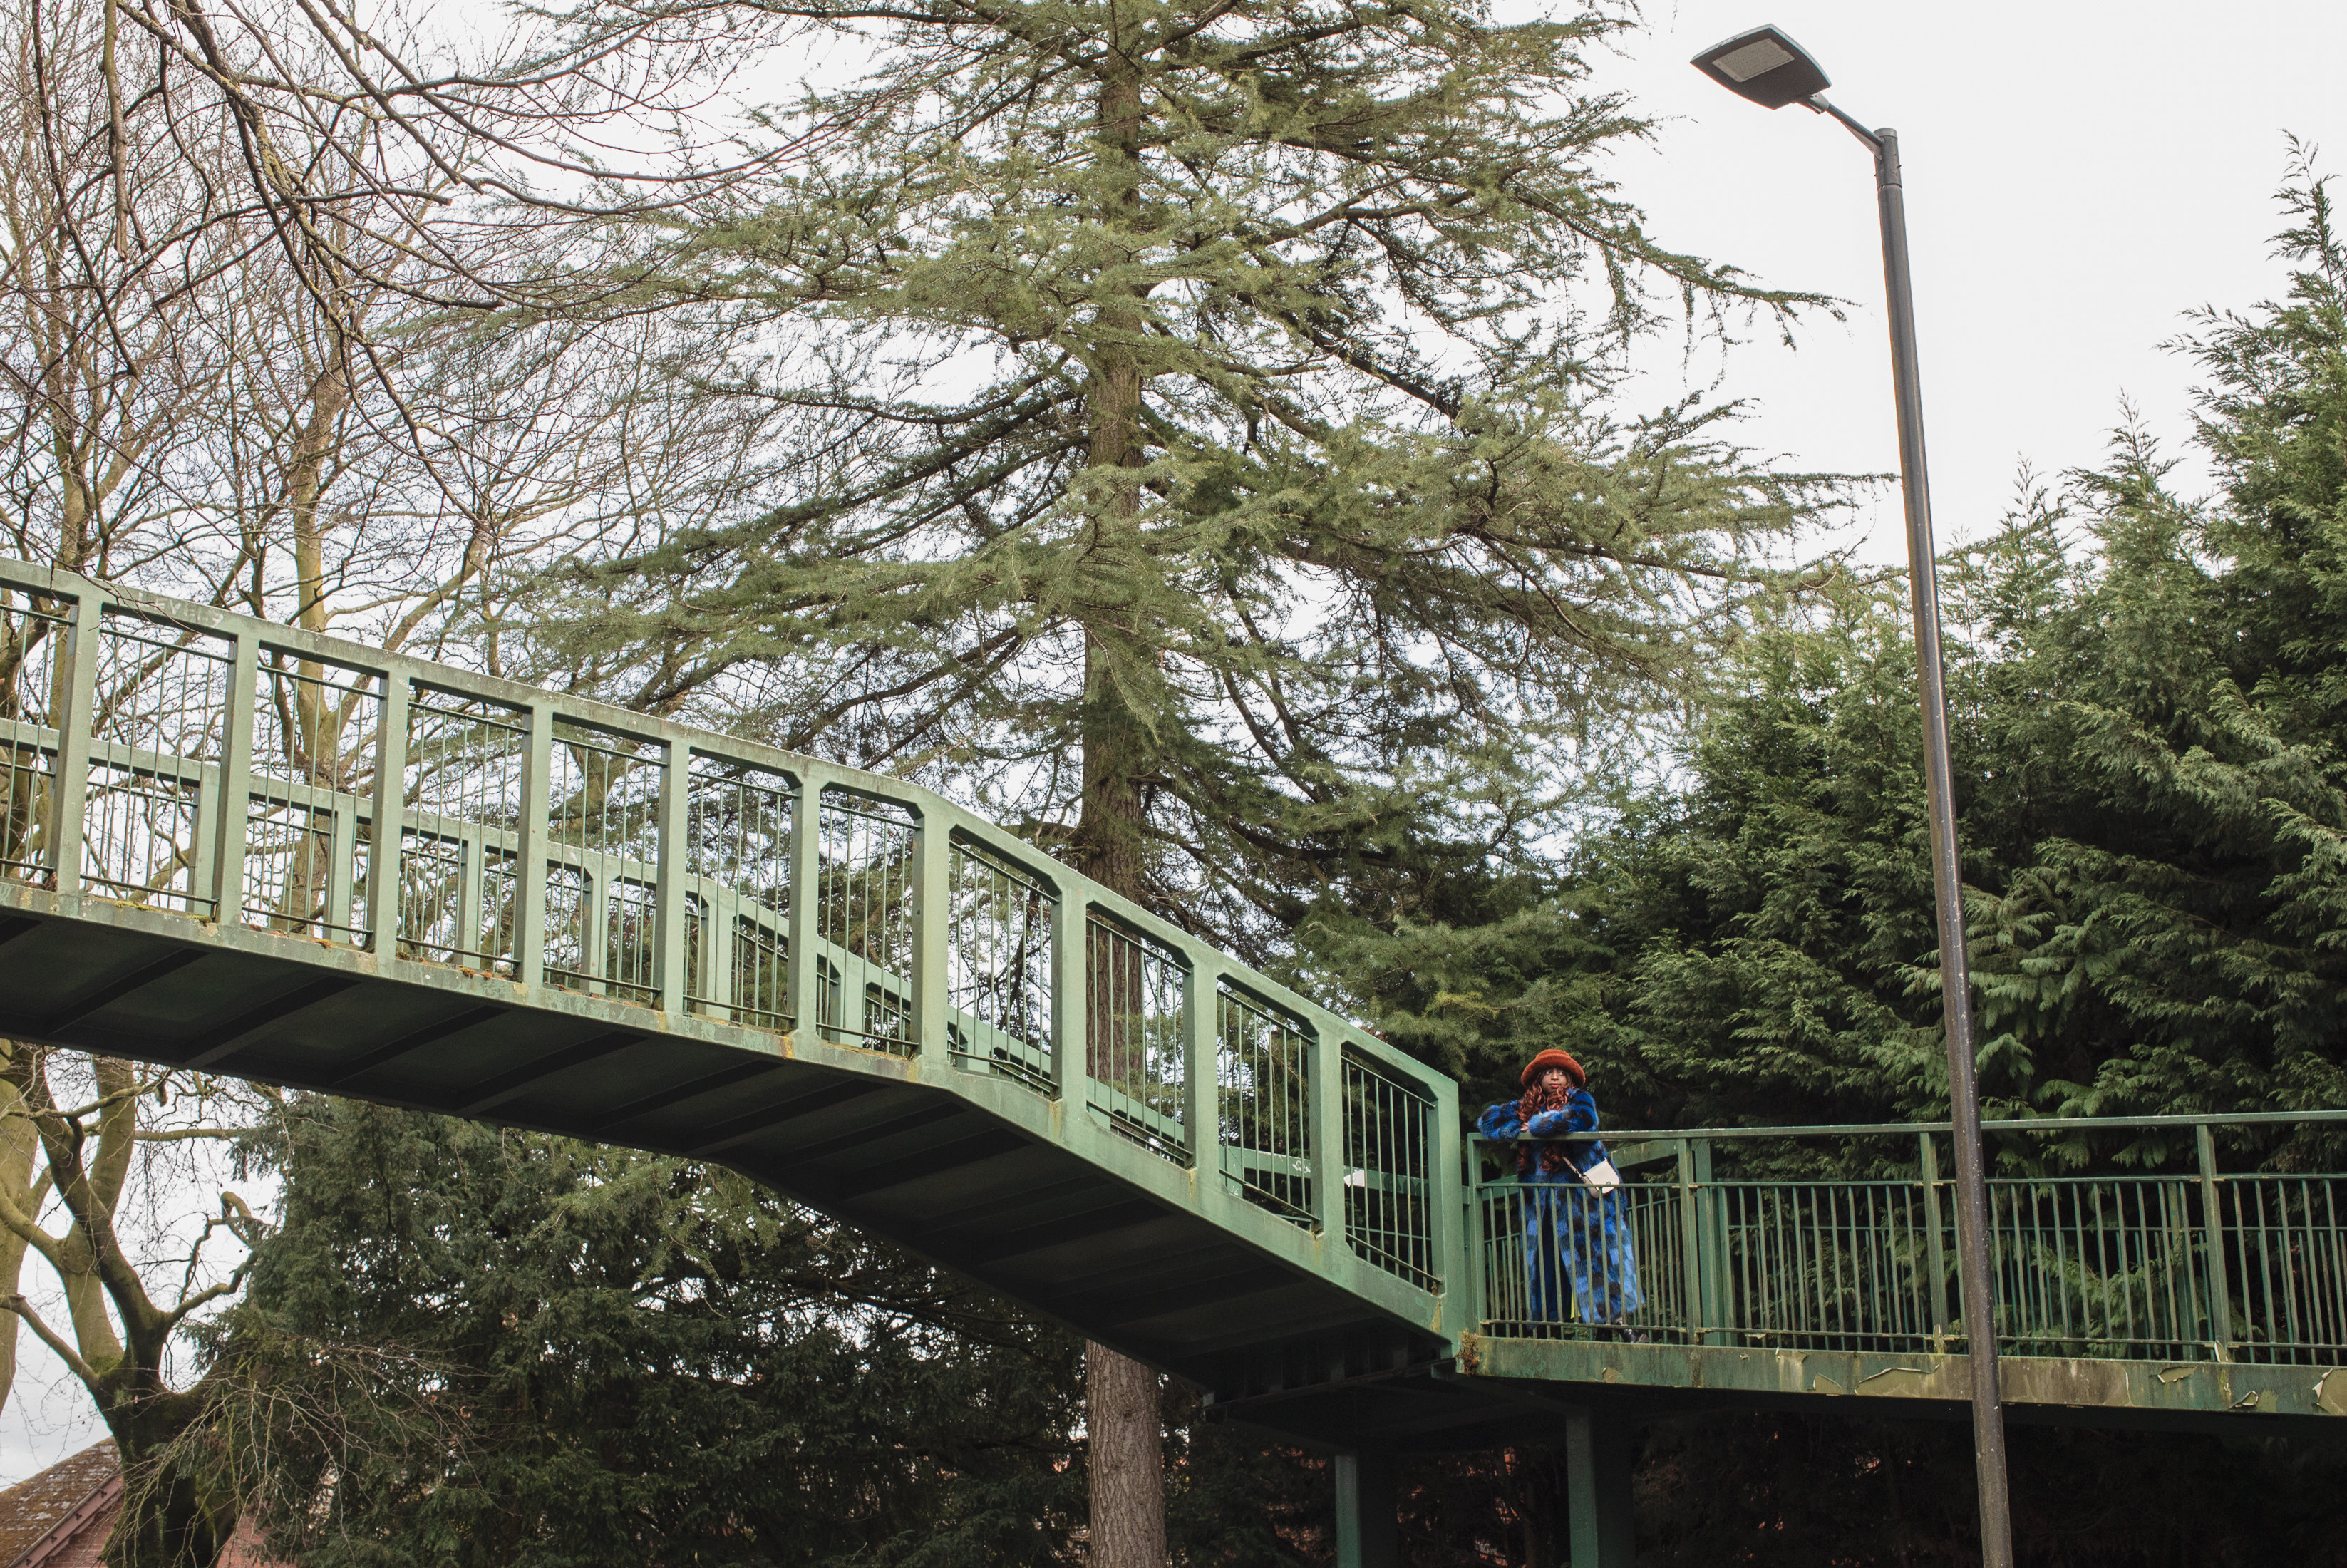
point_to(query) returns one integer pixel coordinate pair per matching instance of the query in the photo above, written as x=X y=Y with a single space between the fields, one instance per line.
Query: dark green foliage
x=1234 y=1499
x=1791 y=1492
x=2150 y=719
x=467 y=1347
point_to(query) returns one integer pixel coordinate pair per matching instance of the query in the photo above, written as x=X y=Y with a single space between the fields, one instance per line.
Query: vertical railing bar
x=74 y=724
x=2062 y=1250
x=1853 y=1248
x=670 y=911
x=2322 y=1320
x=2126 y=1295
x=1810 y=1268
x=2187 y=1287
x=1070 y=1061
x=803 y=919
x=1871 y=1305
x=341 y=852
x=1921 y=1323
x=2243 y=1234
x=1715 y=1284
x=228 y=813
x=1202 y=1068
x=1332 y=1114
x=531 y=869
x=2179 y=1287
x=2034 y=1314
x=594 y=917
x=1866 y=1273
x=1778 y=1284
x=1373 y=1111
x=1934 y=1223
x=387 y=829
x=2299 y=1253
x=1789 y=1290
x=721 y=950
x=2221 y=1305
x=1383 y=1215
x=1878 y=1295
x=2289 y=1323
x=2338 y=1260
x=932 y=851
x=1830 y=1290
x=1693 y=1314
x=2187 y=1291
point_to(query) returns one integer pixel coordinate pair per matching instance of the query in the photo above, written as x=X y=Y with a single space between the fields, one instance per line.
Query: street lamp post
x=1768 y=67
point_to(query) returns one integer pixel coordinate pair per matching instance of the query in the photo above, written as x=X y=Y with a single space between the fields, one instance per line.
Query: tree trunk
x=1127 y=1462
x=1122 y=1417
x=18 y=1145
x=174 y=1514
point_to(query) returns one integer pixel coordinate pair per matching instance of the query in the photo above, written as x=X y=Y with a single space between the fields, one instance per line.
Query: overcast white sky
x=2078 y=175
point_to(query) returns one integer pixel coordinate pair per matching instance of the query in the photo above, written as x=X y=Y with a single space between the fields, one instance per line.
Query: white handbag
x=1602 y=1176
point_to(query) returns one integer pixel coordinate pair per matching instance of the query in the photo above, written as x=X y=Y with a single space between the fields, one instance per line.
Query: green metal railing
x=2150 y=1239
x=238 y=772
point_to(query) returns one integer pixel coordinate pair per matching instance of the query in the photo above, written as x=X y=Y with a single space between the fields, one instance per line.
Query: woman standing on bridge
x=1574 y=1217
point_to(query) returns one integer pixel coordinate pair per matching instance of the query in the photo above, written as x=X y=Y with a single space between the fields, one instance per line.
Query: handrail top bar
x=1204 y=962
x=1889 y=1129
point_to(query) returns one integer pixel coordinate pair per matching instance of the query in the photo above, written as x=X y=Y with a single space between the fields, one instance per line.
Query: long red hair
x=1539 y=1098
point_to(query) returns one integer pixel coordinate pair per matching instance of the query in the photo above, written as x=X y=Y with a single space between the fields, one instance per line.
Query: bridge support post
x=388 y=816
x=1367 y=1505
x=69 y=786
x=1597 y=1456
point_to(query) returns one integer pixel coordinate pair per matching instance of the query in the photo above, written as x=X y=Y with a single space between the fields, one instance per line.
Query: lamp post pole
x=1767 y=67
x=1947 y=868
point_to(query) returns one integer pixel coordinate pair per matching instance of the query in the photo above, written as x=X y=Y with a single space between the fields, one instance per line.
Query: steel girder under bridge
x=234 y=846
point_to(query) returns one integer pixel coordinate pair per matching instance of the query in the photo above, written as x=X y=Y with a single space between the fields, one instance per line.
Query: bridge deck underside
x=859 y=1136
x=1504 y=1391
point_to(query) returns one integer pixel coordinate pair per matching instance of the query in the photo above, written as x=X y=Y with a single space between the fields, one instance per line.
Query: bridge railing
x=247 y=774
x=2154 y=1238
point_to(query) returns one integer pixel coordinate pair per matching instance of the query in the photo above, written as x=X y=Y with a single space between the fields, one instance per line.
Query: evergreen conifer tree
x=2150 y=724
x=496 y=1349
x=1199 y=457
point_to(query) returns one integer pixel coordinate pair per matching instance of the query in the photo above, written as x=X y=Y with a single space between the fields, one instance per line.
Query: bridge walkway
x=236 y=847
x=2164 y=1272
x=233 y=845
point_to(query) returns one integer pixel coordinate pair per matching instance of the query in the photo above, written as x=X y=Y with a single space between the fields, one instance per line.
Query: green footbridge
x=232 y=846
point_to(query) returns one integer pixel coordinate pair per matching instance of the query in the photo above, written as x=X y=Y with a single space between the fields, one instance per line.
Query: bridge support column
x=1367 y=1501
x=1597 y=1458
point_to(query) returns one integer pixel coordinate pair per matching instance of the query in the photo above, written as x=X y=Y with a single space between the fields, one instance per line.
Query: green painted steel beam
x=2079 y=1388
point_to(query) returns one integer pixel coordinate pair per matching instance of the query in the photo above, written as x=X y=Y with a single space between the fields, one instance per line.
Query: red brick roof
x=58 y=1504
x=61 y=1517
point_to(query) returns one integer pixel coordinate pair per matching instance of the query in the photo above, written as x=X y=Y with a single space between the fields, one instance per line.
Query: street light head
x=1764 y=65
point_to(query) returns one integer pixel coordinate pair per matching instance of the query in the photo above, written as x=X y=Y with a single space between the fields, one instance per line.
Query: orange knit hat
x=1553 y=1058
